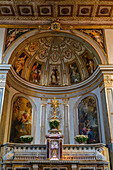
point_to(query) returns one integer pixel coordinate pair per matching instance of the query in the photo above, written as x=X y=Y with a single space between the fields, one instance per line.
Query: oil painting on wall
x=21 y=119
x=74 y=73
x=88 y=122
x=35 y=75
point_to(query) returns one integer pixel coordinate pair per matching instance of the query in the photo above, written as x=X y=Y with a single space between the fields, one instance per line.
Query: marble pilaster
x=4 y=92
x=66 y=120
x=106 y=90
x=43 y=120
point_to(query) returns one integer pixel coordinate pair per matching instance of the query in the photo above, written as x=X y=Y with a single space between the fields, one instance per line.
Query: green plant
x=54 y=124
x=26 y=138
x=81 y=138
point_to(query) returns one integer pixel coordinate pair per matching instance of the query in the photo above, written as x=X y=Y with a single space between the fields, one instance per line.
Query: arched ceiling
x=54 y=59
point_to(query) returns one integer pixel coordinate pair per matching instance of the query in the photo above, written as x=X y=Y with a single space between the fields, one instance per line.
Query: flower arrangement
x=54 y=124
x=81 y=138
x=26 y=138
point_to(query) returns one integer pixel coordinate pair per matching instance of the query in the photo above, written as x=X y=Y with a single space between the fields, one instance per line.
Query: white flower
x=26 y=136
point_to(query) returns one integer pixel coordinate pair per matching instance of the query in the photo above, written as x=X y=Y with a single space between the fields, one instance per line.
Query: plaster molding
x=33 y=23
x=49 y=92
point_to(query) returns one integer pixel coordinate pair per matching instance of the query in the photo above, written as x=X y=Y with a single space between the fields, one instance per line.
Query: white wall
x=109 y=44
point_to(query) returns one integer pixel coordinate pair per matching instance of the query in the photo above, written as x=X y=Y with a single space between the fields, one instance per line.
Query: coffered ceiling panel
x=85 y=10
x=65 y=10
x=25 y=10
x=38 y=11
x=45 y=10
x=6 y=10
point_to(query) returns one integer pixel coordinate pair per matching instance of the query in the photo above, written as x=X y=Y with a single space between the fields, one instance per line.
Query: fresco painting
x=35 y=75
x=54 y=76
x=74 y=73
x=89 y=63
x=87 y=117
x=13 y=34
x=20 y=64
x=21 y=119
x=97 y=35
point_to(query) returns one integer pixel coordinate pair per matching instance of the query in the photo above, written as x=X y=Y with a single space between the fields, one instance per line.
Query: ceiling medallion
x=55 y=25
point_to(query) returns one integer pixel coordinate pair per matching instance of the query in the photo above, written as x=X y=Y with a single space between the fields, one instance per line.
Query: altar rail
x=18 y=151
x=83 y=152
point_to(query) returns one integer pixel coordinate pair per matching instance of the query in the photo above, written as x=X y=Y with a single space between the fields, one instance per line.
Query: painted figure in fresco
x=91 y=67
x=36 y=73
x=20 y=63
x=54 y=76
x=96 y=35
x=14 y=34
x=74 y=75
x=89 y=64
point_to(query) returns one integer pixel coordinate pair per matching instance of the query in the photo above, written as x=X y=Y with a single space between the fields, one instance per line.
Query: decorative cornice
x=4 y=68
x=47 y=92
x=45 y=23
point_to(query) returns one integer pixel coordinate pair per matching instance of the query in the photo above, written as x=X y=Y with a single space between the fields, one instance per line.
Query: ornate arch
x=36 y=33
x=76 y=116
x=68 y=58
x=30 y=104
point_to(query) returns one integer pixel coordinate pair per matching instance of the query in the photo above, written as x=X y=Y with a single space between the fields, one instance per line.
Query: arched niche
x=21 y=118
x=86 y=117
x=75 y=57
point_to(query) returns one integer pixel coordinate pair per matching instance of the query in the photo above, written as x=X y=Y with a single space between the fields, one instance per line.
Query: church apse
x=21 y=119
x=55 y=61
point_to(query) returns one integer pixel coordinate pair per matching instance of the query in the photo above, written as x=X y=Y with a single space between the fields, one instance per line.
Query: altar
x=54 y=155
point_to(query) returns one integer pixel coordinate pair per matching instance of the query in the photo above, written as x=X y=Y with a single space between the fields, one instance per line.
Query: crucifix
x=54 y=103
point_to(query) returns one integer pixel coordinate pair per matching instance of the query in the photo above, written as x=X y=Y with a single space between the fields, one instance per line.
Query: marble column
x=4 y=92
x=66 y=120
x=43 y=120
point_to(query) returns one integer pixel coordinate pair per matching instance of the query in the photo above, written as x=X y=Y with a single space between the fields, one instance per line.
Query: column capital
x=107 y=72
x=43 y=101
x=66 y=101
